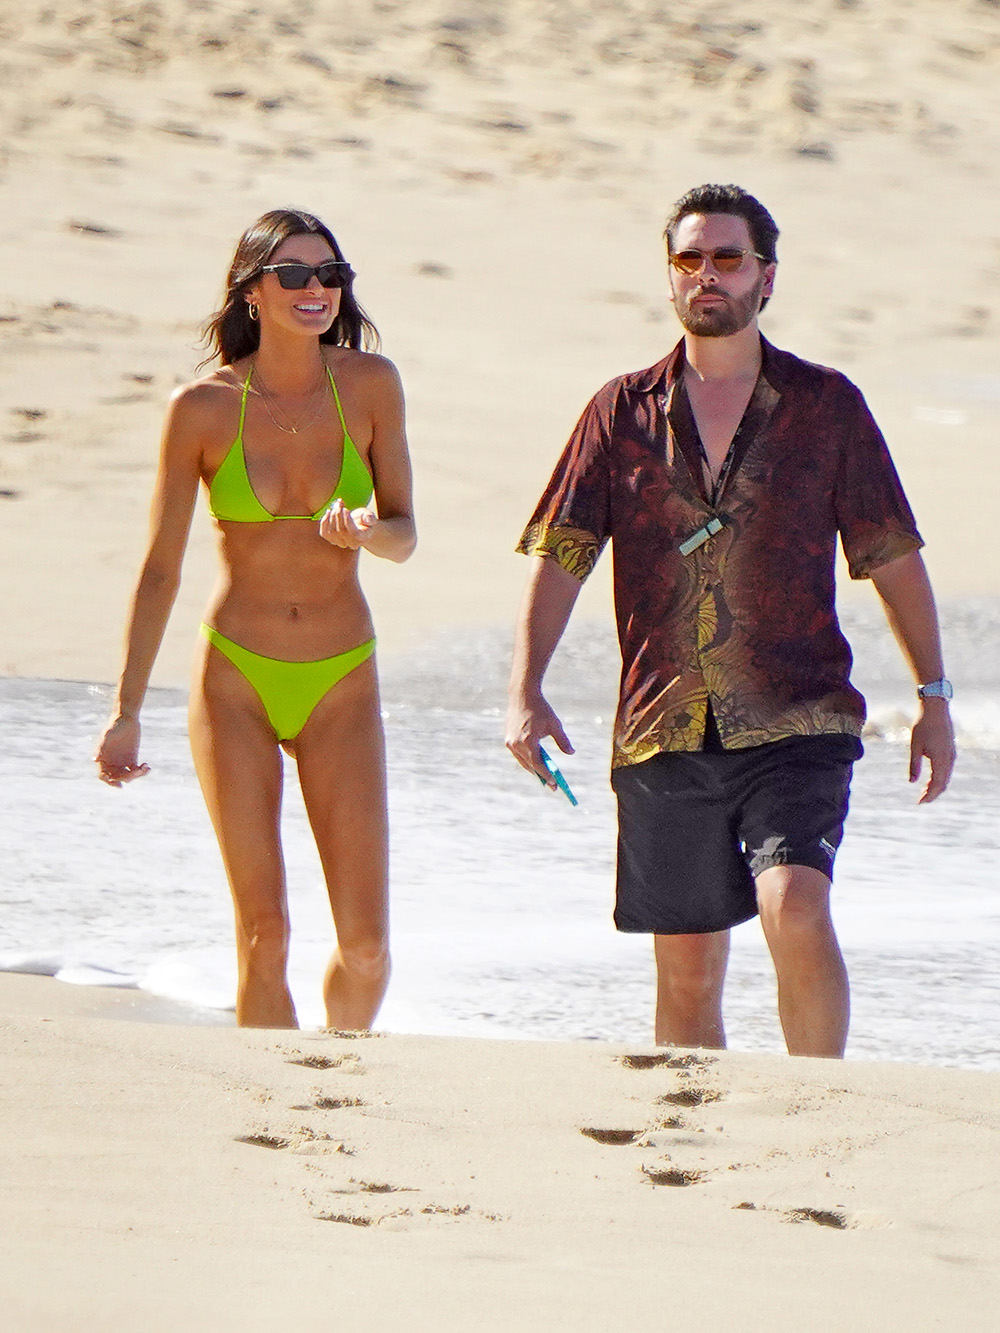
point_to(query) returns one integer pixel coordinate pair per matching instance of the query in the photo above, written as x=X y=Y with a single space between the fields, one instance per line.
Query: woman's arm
x=170 y=522
x=388 y=530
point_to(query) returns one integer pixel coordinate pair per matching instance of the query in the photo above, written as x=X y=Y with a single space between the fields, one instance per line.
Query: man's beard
x=721 y=321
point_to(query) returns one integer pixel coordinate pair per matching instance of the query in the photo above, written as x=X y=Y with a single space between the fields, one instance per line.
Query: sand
x=498 y=176
x=204 y=1178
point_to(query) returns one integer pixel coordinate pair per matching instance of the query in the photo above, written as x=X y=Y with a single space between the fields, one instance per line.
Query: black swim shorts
x=695 y=828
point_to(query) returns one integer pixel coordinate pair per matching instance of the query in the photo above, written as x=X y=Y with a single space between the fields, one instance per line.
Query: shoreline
x=501 y=895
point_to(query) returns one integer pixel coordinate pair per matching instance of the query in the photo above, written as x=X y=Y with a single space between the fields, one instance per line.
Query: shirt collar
x=776 y=368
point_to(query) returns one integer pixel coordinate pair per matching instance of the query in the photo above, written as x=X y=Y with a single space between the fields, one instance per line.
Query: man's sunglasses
x=293 y=277
x=726 y=259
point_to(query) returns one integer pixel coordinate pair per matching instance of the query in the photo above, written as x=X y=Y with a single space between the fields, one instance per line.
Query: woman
x=291 y=436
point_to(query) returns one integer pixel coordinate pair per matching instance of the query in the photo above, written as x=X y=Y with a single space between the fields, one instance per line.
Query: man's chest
x=718 y=409
x=775 y=475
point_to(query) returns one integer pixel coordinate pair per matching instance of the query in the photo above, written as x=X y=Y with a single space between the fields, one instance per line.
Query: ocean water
x=502 y=892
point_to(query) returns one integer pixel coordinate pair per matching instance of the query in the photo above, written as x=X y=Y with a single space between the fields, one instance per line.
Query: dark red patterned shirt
x=747 y=617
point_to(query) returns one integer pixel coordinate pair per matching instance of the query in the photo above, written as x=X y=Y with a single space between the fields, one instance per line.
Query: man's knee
x=691 y=966
x=794 y=900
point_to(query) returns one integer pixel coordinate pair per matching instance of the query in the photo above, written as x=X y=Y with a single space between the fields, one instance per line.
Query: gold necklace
x=266 y=399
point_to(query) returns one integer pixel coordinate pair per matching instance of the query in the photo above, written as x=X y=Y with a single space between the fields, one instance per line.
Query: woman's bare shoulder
x=205 y=399
x=369 y=370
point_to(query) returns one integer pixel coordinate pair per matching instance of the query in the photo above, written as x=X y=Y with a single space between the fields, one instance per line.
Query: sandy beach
x=498 y=176
x=167 y=1177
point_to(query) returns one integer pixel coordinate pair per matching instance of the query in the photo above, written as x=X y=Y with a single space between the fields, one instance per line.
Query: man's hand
x=933 y=737
x=545 y=609
x=528 y=723
x=906 y=595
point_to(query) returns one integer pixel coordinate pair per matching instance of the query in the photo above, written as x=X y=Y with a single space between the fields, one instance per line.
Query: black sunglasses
x=293 y=277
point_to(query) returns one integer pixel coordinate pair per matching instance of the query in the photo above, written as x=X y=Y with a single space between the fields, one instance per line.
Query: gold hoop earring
x=253 y=309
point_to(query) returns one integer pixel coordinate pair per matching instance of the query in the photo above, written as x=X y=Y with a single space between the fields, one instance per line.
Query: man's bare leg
x=813 y=993
x=690 y=971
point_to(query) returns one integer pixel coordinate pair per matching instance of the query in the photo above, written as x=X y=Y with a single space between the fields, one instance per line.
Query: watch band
x=936 y=689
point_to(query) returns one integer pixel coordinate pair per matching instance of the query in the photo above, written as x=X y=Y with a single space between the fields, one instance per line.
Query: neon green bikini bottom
x=289 y=691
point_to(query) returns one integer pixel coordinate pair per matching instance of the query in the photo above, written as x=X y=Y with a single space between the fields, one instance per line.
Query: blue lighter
x=561 y=782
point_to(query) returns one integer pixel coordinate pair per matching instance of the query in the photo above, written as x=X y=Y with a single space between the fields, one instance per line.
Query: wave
x=976 y=717
x=198 y=984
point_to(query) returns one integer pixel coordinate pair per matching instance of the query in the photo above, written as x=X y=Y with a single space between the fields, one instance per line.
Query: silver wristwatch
x=937 y=689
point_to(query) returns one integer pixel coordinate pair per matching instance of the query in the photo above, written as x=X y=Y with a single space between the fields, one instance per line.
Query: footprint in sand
x=823 y=1217
x=355 y=1219
x=613 y=1137
x=688 y=1061
x=264 y=1141
x=353 y=1034
x=374 y=1187
x=348 y=1059
x=672 y=1175
x=323 y=1103
x=837 y=1219
x=436 y=1210
x=689 y=1097
x=304 y=1141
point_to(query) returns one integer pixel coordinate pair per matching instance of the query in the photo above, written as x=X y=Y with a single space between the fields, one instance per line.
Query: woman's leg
x=239 y=767
x=341 y=758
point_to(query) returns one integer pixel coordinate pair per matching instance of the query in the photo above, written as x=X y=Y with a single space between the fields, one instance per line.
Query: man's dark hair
x=727 y=199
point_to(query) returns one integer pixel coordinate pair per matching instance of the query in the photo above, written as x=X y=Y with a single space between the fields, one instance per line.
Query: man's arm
x=906 y=595
x=549 y=598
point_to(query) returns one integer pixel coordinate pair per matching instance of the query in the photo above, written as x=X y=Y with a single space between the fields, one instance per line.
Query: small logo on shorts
x=830 y=851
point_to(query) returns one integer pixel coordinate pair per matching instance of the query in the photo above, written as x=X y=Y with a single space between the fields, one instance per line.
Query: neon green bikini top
x=231 y=497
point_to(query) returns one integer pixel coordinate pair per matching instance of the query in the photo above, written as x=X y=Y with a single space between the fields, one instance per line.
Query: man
x=723 y=476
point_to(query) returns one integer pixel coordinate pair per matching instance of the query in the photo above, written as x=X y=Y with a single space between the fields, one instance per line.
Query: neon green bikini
x=231 y=498
x=289 y=691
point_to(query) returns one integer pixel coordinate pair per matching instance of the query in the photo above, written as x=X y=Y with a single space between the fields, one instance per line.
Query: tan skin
x=794 y=901
x=288 y=590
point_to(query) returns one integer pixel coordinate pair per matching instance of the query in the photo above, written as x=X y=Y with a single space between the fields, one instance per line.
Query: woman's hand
x=117 y=756
x=348 y=528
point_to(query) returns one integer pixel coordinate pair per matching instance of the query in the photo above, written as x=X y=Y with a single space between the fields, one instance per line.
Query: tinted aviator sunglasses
x=726 y=259
x=293 y=277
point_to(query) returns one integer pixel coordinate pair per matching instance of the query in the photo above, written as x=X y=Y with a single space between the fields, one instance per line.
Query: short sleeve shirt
x=746 y=617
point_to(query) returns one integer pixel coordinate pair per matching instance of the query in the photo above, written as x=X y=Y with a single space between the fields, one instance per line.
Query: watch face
x=937 y=689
